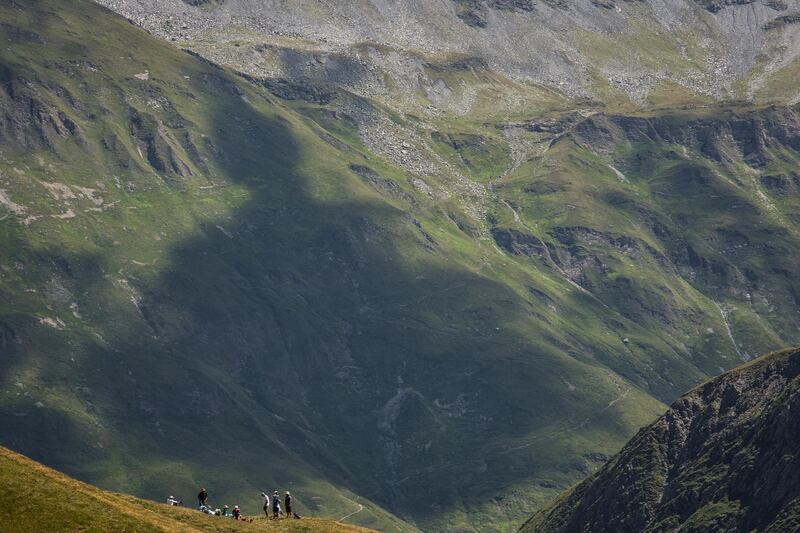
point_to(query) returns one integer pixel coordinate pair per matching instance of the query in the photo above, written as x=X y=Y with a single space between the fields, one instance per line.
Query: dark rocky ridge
x=782 y=21
x=723 y=458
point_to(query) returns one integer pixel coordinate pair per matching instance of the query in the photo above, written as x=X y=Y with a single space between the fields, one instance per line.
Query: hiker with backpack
x=276 y=505
x=202 y=497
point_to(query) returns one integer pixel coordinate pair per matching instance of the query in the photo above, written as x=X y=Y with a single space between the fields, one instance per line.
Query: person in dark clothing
x=276 y=505
x=287 y=504
x=202 y=497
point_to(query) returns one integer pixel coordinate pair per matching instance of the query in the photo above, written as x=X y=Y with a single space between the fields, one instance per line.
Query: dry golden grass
x=37 y=498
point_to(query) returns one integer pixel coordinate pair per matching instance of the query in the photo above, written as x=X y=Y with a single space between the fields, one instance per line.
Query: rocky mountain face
x=600 y=51
x=422 y=288
x=723 y=458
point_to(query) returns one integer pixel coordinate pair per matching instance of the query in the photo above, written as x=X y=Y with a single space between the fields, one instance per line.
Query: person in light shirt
x=266 y=503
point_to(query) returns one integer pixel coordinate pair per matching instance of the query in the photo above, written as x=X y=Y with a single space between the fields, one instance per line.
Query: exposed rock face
x=723 y=458
x=473 y=12
x=782 y=21
x=717 y=5
x=750 y=136
x=694 y=44
x=28 y=120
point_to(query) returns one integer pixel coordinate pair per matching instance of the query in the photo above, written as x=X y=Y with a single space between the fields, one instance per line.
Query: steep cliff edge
x=723 y=458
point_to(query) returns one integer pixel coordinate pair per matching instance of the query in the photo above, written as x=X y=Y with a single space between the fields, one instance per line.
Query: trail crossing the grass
x=360 y=508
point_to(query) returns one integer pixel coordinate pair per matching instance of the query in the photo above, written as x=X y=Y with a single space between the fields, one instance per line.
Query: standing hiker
x=287 y=504
x=266 y=503
x=276 y=505
x=202 y=497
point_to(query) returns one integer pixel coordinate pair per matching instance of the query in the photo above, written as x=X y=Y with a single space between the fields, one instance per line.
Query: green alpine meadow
x=426 y=265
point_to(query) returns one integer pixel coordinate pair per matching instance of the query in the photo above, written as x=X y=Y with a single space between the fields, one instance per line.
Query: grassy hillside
x=37 y=498
x=213 y=280
x=138 y=343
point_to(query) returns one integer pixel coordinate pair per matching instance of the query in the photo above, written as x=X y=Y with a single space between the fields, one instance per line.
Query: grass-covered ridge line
x=41 y=499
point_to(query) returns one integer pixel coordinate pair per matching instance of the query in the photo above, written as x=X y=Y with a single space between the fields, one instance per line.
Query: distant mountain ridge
x=723 y=458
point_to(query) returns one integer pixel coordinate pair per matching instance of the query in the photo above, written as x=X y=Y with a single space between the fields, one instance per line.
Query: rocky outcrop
x=780 y=22
x=717 y=5
x=748 y=136
x=474 y=12
x=723 y=458
x=154 y=141
x=511 y=5
x=27 y=120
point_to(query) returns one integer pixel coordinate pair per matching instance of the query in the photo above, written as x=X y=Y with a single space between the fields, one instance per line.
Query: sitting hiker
x=225 y=511
x=236 y=512
x=172 y=501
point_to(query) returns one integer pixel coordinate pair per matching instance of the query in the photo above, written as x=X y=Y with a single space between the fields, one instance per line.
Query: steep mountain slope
x=723 y=458
x=211 y=278
x=684 y=222
x=131 y=354
x=37 y=498
x=608 y=51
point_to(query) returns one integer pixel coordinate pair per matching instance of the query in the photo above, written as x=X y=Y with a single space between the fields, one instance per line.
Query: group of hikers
x=270 y=502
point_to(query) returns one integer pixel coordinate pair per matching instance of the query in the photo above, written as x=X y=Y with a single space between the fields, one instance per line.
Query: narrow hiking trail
x=360 y=508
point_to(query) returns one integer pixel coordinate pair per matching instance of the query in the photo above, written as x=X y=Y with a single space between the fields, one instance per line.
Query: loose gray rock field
x=380 y=48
